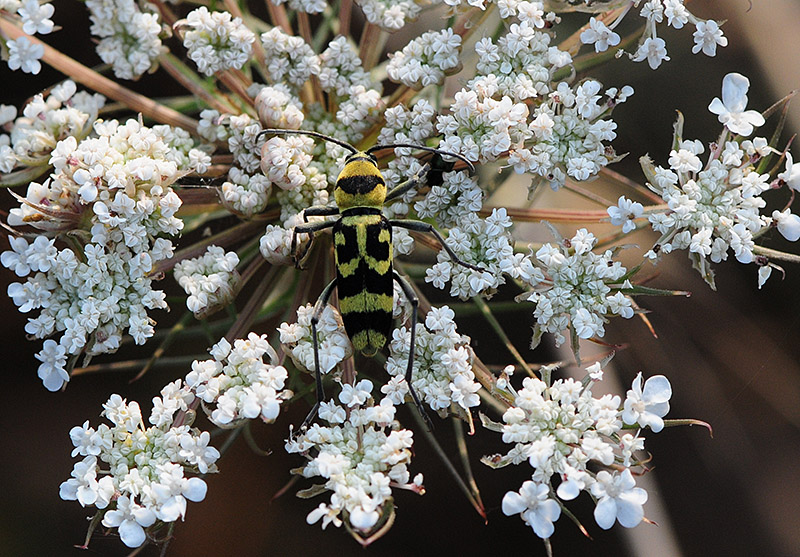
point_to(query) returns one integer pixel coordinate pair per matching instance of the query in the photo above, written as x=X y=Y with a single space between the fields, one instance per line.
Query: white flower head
x=648 y=406
x=532 y=502
x=619 y=499
x=731 y=109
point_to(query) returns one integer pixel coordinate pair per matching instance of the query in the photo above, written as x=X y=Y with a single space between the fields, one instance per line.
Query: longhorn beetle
x=362 y=239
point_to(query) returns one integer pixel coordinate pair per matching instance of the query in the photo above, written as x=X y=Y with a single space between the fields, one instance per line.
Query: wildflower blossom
x=25 y=55
x=731 y=109
x=559 y=429
x=36 y=17
x=707 y=36
x=334 y=345
x=535 y=507
x=647 y=406
x=238 y=384
x=142 y=468
x=360 y=459
x=714 y=207
x=619 y=499
x=389 y=15
x=476 y=240
x=104 y=195
x=443 y=375
x=599 y=35
x=216 y=41
x=129 y=37
x=210 y=281
x=624 y=213
x=575 y=290
x=426 y=60
x=116 y=186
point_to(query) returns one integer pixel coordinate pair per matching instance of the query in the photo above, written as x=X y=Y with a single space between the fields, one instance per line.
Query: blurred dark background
x=732 y=358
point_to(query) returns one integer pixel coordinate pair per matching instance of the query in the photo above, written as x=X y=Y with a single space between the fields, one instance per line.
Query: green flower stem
x=495 y=325
x=458 y=428
x=192 y=82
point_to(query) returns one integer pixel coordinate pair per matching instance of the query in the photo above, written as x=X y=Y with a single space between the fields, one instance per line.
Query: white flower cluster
x=340 y=68
x=361 y=454
x=239 y=382
x=213 y=126
x=521 y=63
x=279 y=108
x=715 y=207
x=450 y=201
x=482 y=128
x=308 y=6
x=243 y=140
x=390 y=15
x=45 y=122
x=276 y=243
x=210 y=281
x=426 y=60
x=563 y=430
x=216 y=41
x=289 y=59
x=707 y=34
x=568 y=133
x=573 y=289
x=454 y=202
x=243 y=194
x=442 y=375
x=113 y=190
x=129 y=37
x=140 y=469
x=484 y=242
x=334 y=344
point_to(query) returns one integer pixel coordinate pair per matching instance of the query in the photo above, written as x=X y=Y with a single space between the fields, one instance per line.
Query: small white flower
x=788 y=224
x=599 y=35
x=624 y=213
x=652 y=50
x=648 y=406
x=532 y=502
x=130 y=519
x=619 y=500
x=24 y=54
x=707 y=36
x=36 y=17
x=731 y=109
x=595 y=371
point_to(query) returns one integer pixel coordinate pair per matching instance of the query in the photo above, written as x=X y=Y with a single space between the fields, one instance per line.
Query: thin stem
x=345 y=16
x=550 y=215
x=183 y=75
x=278 y=16
x=498 y=329
x=373 y=39
x=775 y=254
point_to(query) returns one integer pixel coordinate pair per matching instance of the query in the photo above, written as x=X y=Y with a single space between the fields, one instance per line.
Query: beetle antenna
x=425 y=148
x=328 y=138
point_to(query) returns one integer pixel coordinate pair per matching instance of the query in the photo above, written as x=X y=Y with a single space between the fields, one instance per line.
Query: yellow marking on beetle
x=359 y=168
x=366 y=301
x=367 y=342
